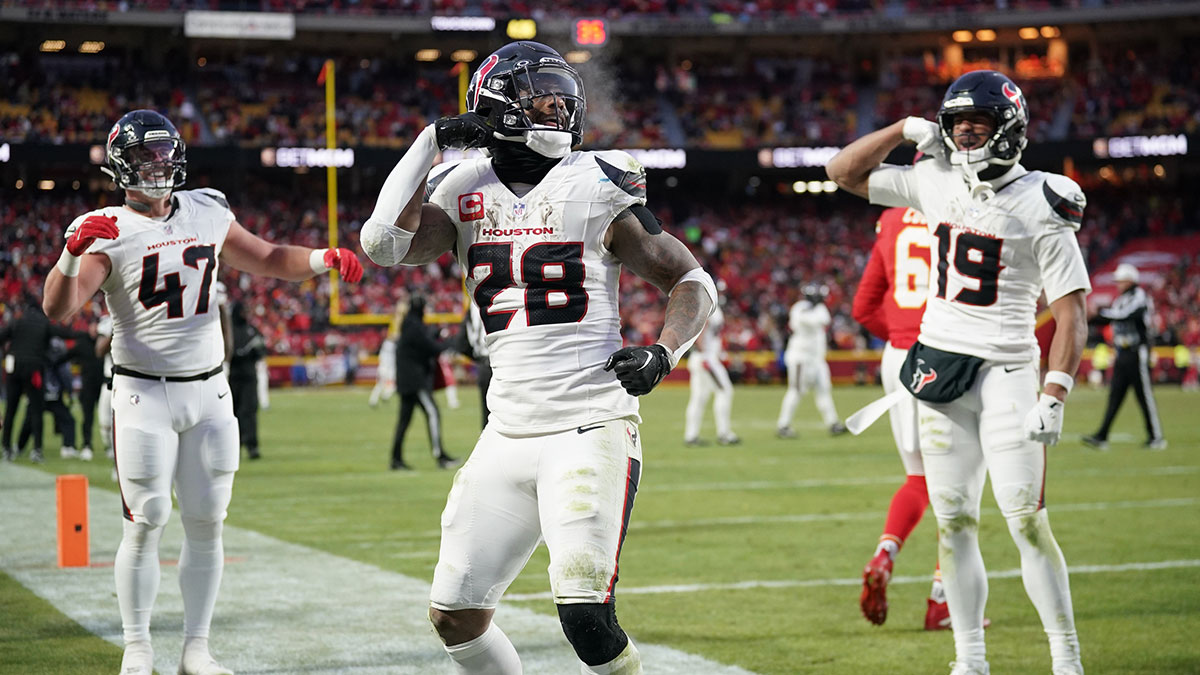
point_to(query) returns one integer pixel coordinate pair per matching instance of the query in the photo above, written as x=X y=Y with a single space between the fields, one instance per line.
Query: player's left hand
x=1044 y=423
x=468 y=130
x=345 y=262
x=640 y=369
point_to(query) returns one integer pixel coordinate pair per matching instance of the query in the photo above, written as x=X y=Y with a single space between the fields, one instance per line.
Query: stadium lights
x=962 y=36
x=1028 y=33
x=75 y=185
x=201 y=62
x=53 y=45
x=799 y=187
x=985 y=35
x=1050 y=32
x=829 y=186
x=428 y=55
x=45 y=184
x=521 y=29
x=482 y=24
x=577 y=56
x=91 y=47
x=1160 y=171
x=5 y=152
x=463 y=55
x=20 y=184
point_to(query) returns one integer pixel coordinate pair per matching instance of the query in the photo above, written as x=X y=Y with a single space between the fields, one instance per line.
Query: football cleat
x=68 y=452
x=36 y=456
x=1095 y=442
x=399 y=466
x=86 y=454
x=785 y=432
x=197 y=661
x=138 y=659
x=447 y=462
x=731 y=439
x=876 y=576
x=1156 y=444
x=695 y=442
x=9 y=454
x=837 y=429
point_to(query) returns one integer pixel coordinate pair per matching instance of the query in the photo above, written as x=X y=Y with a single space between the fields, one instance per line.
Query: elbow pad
x=384 y=243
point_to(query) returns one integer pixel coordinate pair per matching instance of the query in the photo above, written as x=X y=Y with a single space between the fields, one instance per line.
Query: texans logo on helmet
x=1012 y=93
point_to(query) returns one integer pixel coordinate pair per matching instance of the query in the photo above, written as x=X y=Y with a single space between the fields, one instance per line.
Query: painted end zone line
x=857 y=581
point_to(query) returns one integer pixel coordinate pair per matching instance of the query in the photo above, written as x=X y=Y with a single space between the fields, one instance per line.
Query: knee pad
x=201 y=529
x=156 y=511
x=1018 y=500
x=953 y=513
x=593 y=631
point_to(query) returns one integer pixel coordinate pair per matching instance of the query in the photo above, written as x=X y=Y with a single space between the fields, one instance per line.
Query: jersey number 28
x=551 y=272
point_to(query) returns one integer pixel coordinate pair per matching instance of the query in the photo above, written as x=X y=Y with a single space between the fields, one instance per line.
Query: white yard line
x=283 y=608
x=896 y=479
x=857 y=581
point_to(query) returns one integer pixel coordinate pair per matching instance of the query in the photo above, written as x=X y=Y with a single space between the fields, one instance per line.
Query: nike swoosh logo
x=584 y=430
x=1014 y=368
x=222 y=395
x=649 y=357
x=1041 y=425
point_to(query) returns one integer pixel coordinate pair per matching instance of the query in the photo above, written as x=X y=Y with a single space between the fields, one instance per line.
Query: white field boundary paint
x=283 y=608
x=857 y=581
x=893 y=479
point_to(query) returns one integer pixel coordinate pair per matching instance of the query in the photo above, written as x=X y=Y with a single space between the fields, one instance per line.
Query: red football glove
x=345 y=262
x=91 y=229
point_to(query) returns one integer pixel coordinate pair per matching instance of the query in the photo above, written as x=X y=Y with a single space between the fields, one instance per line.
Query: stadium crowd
x=719 y=10
x=273 y=100
x=750 y=248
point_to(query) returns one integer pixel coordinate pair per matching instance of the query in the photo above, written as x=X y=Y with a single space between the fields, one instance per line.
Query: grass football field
x=749 y=555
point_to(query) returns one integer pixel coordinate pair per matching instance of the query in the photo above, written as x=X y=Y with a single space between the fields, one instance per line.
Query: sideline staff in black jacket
x=416 y=352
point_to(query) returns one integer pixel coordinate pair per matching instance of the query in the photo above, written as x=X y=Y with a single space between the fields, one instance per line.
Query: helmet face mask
x=526 y=89
x=995 y=95
x=145 y=153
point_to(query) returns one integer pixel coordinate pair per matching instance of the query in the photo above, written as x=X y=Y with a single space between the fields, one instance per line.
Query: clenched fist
x=92 y=228
x=345 y=262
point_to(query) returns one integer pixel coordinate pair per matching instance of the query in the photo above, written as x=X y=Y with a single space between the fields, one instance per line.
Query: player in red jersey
x=890 y=302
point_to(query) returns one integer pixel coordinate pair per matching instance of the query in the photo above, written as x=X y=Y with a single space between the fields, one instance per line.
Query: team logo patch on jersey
x=633 y=435
x=134 y=399
x=470 y=206
x=519 y=209
x=922 y=377
x=1012 y=93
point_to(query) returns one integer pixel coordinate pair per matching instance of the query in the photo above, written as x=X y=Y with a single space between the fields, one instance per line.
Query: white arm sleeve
x=384 y=243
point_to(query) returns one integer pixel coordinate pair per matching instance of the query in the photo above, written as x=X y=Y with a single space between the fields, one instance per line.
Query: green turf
x=324 y=483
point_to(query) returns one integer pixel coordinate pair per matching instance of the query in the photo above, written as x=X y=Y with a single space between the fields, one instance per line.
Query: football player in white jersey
x=804 y=358
x=707 y=377
x=1002 y=236
x=543 y=232
x=156 y=260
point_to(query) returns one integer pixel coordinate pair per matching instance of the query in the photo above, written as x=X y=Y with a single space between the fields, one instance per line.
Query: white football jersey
x=990 y=259
x=105 y=328
x=545 y=285
x=809 y=324
x=708 y=346
x=160 y=291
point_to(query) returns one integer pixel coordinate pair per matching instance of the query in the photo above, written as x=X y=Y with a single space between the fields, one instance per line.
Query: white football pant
x=802 y=376
x=182 y=434
x=708 y=378
x=903 y=415
x=982 y=433
x=574 y=489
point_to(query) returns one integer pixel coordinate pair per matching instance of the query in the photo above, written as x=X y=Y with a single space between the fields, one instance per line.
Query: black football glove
x=640 y=369
x=468 y=130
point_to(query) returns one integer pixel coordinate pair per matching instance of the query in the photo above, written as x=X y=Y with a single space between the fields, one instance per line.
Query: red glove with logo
x=345 y=262
x=92 y=228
